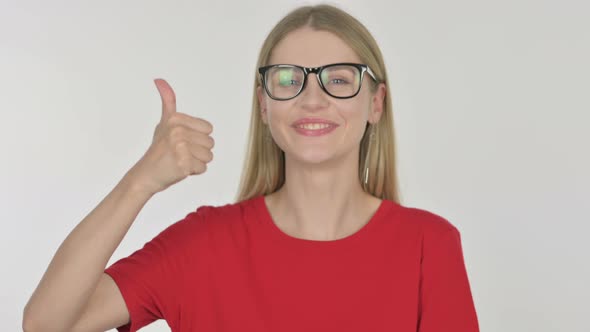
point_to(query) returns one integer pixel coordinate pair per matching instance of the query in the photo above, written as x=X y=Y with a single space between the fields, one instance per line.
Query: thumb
x=168 y=97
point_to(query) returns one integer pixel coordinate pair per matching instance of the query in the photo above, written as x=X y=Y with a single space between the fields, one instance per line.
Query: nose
x=312 y=89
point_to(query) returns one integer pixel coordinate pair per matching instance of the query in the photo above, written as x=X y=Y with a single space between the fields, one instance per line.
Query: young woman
x=316 y=240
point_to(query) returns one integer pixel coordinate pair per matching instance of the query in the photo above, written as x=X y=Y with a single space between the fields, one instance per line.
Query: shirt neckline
x=269 y=223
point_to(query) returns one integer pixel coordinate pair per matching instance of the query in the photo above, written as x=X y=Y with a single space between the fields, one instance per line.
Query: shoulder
x=217 y=216
x=198 y=226
x=223 y=212
x=431 y=233
x=423 y=221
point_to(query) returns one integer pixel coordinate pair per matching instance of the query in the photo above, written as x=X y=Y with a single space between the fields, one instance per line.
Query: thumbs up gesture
x=181 y=146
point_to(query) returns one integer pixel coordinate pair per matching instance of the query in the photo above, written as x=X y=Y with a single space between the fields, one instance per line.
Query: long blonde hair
x=264 y=165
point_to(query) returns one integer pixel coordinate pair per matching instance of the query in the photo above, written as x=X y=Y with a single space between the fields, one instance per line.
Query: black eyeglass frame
x=318 y=71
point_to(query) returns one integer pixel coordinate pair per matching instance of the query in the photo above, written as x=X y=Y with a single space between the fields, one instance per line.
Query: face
x=309 y=48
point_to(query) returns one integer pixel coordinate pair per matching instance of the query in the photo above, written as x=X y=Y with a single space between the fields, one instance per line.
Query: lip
x=313 y=120
x=314 y=132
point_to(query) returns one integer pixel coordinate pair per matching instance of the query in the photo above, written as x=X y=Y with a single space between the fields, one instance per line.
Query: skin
x=322 y=198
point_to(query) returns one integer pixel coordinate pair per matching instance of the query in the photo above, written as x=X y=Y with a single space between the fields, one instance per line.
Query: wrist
x=131 y=184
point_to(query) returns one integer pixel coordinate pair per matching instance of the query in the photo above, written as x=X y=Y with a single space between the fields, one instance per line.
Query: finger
x=198 y=167
x=201 y=153
x=168 y=97
x=193 y=137
x=201 y=139
x=198 y=124
x=191 y=164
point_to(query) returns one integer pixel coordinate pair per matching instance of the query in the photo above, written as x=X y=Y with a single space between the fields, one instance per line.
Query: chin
x=312 y=156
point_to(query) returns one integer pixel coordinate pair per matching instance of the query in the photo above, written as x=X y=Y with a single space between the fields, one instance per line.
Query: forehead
x=311 y=48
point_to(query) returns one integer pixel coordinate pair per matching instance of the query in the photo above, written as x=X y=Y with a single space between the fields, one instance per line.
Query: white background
x=491 y=114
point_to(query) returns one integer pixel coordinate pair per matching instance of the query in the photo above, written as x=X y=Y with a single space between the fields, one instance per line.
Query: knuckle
x=180 y=145
x=184 y=166
x=174 y=118
x=170 y=121
x=180 y=162
x=176 y=132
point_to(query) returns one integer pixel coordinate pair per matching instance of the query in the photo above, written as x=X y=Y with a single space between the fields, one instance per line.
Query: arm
x=446 y=303
x=76 y=272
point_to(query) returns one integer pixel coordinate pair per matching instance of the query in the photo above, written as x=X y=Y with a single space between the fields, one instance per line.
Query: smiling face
x=310 y=48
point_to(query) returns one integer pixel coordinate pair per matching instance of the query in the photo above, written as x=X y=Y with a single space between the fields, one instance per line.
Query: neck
x=322 y=202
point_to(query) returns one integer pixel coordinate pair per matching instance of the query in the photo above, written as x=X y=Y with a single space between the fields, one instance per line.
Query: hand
x=181 y=146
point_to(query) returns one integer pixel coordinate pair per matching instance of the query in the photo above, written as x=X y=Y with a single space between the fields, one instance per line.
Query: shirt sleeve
x=150 y=279
x=446 y=303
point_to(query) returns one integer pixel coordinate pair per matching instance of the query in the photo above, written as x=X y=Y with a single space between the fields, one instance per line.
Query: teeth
x=314 y=126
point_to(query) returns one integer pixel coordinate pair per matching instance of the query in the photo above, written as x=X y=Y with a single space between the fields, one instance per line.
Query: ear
x=377 y=103
x=260 y=94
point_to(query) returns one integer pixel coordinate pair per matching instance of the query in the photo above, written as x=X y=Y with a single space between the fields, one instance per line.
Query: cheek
x=277 y=111
x=355 y=119
x=354 y=114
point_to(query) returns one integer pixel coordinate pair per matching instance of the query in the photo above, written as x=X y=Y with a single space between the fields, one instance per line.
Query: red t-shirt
x=230 y=268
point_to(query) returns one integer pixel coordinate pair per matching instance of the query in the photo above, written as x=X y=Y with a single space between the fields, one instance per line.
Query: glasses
x=339 y=80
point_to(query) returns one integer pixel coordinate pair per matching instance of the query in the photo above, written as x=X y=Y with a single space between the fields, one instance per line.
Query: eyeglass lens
x=285 y=81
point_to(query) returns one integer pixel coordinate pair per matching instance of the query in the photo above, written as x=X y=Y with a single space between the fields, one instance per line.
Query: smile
x=314 y=126
x=315 y=129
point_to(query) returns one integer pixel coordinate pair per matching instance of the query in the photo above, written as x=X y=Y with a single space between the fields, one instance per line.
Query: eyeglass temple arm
x=371 y=73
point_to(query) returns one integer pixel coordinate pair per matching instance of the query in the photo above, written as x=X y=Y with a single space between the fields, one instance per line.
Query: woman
x=317 y=240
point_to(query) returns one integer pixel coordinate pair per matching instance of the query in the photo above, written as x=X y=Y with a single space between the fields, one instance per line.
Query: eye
x=339 y=81
x=288 y=77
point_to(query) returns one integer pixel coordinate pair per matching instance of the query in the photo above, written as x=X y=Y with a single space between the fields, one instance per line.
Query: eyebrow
x=326 y=64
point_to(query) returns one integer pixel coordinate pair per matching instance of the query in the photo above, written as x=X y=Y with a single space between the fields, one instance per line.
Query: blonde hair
x=264 y=165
